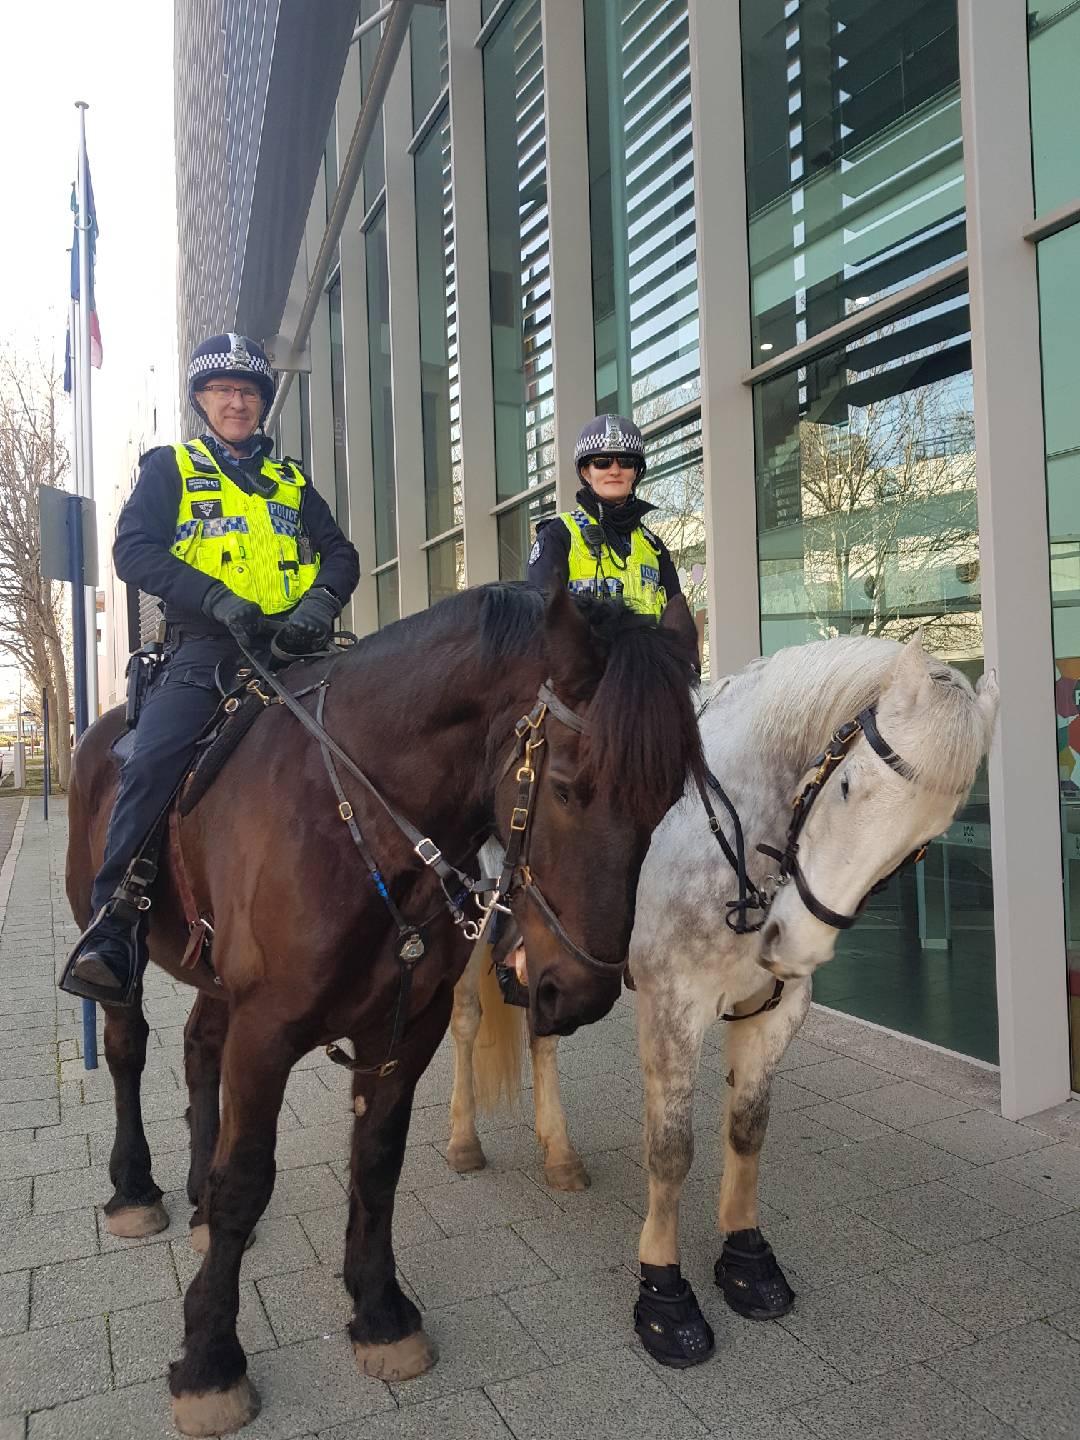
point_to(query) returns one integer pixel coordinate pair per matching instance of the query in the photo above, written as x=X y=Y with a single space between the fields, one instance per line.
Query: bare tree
x=31 y=608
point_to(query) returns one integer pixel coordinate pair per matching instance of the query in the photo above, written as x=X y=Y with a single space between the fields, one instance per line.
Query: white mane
x=805 y=692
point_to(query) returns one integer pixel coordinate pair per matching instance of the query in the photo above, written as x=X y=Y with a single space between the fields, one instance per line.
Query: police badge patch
x=206 y=509
x=534 y=553
x=201 y=482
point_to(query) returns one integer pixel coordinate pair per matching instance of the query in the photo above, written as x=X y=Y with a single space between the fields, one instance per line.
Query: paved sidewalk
x=935 y=1247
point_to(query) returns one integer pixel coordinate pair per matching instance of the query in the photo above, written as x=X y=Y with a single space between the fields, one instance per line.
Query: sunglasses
x=605 y=462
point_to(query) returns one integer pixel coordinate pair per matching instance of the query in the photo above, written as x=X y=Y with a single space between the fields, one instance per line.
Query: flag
x=92 y=234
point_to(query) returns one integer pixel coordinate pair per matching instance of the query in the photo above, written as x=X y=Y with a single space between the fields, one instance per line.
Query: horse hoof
x=134 y=1222
x=403 y=1360
x=199 y=1238
x=672 y=1328
x=216 y=1412
x=751 y=1279
x=465 y=1157
x=569 y=1175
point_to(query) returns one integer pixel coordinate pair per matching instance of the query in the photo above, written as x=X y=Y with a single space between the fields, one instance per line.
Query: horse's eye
x=562 y=792
x=845 y=786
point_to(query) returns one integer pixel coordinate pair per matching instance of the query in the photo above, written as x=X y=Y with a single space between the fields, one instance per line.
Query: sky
x=117 y=56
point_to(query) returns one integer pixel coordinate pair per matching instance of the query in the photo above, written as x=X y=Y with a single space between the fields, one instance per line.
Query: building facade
x=824 y=253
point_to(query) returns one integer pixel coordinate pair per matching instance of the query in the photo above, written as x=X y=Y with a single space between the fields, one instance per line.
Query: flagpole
x=86 y=472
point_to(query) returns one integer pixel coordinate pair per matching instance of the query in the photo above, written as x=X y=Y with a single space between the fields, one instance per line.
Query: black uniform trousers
x=182 y=700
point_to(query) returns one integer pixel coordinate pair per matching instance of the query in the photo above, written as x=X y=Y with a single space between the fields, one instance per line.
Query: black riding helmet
x=610 y=435
x=230 y=355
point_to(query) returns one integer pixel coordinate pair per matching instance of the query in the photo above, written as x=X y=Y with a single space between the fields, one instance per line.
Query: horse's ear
x=575 y=667
x=680 y=622
x=987 y=697
x=910 y=683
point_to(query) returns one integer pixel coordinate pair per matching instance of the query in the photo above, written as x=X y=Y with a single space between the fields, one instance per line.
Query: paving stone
x=16 y=1199
x=479 y=1342
x=982 y=1138
x=326 y=1228
x=482 y=1201
x=826 y=1246
x=839 y=1118
x=1018 y=1201
x=795 y=1184
x=905 y=1104
x=41 y=1157
x=47 y=1367
x=986 y=1291
x=1067 y=1320
x=933 y=1217
x=76 y=1190
x=139 y=1412
x=837 y=1078
x=311 y=1387
x=1054 y=1171
x=146 y=1338
x=14 y=1302
x=102 y=1284
x=1029 y=1377
x=868 y=1326
x=899 y=1160
x=899 y=1407
x=469 y=1416
x=311 y=1187
x=306 y=1304
x=569 y=1320
x=31 y=1087
x=313 y=1145
x=13 y=1427
x=600 y=1238
x=68 y=1236
x=423 y=1168
x=594 y=1398
x=1061 y=1121
x=1051 y=1246
x=280 y=1248
x=443 y=1272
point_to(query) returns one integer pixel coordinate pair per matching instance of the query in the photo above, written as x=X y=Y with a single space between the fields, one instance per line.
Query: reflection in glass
x=675 y=484
x=374 y=163
x=1054 y=64
x=430 y=67
x=446 y=569
x=337 y=402
x=382 y=402
x=1059 y=264
x=868 y=525
x=305 y=422
x=641 y=185
x=854 y=158
x=519 y=279
x=440 y=395
x=517 y=531
x=386 y=596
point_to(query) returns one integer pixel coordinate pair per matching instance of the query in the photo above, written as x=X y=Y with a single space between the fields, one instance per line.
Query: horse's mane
x=806 y=691
x=643 y=736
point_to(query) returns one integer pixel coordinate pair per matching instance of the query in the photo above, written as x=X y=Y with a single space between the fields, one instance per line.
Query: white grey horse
x=893 y=781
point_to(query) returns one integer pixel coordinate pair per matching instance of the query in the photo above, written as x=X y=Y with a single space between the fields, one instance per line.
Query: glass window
x=374 y=164
x=641 y=186
x=382 y=401
x=305 y=422
x=430 y=59
x=517 y=531
x=675 y=484
x=337 y=402
x=386 y=596
x=854 y=160
x=1059 y=264
x=440 y=395
x=518 y=252
x=1054 y=60
x=868 y=524
x=446 y=569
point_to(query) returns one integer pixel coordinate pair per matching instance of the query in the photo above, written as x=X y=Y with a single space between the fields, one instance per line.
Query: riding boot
x=108 y=961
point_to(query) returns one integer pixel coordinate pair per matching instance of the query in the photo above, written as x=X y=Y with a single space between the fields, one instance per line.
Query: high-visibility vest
x=636 y=580
x=254 y=546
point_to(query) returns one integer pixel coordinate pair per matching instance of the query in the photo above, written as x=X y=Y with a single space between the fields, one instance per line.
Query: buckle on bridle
x=519 y=817
x=431 y=855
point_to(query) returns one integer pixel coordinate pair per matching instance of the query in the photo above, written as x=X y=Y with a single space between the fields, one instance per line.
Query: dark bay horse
x=304 y=949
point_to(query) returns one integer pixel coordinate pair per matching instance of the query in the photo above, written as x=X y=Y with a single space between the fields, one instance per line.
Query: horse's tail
x=499 y=1044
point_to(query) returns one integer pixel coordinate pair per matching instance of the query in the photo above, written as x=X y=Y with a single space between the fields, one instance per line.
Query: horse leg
x=135 y=1208
x=747 y=1271
x=211 y=1392
x=204 y=1039
x=563 y=1166
x=667 y=1317
x=465 y=1151
x=386 y=1329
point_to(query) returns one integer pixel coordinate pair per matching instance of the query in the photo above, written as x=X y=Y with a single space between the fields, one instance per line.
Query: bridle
x=751 y=896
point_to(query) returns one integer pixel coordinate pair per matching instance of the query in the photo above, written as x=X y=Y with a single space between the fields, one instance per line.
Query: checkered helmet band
x=610 y=435
x=230 y=354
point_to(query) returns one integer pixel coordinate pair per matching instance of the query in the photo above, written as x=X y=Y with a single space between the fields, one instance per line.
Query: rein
x=457 y=887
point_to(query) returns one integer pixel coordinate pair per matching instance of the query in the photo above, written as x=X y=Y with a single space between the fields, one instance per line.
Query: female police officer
x=602 y=547
x=224 y=536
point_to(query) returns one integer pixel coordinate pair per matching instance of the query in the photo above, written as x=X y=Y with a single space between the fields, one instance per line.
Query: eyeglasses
x=247 y=393
x=605 y=462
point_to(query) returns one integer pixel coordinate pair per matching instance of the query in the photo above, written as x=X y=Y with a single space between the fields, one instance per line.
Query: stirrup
x=124 y=992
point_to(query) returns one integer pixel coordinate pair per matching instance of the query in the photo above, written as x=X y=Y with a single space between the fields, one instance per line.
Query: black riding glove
x=242 y=618
x=308 y=627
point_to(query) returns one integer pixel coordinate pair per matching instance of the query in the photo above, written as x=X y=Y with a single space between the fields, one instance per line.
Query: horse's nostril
x=771 y=934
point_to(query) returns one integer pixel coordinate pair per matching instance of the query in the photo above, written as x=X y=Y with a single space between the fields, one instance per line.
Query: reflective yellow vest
x=636 y=580
x=252 y=545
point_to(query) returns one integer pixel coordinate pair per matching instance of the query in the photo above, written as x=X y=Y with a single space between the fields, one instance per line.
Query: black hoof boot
x=753 y=1283
x=668 y=1319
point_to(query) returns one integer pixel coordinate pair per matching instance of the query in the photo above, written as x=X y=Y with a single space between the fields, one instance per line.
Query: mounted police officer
x=602 y=547
x=225 y=536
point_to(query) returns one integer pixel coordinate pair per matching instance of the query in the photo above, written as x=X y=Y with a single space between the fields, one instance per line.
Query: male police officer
x=602 y=547
x=224 y=536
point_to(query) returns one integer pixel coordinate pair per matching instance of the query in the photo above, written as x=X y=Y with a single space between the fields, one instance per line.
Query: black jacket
x=549 y=559
x=145 y=531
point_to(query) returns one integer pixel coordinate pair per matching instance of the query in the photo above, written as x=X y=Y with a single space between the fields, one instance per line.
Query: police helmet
x=230 y=355
x=610 y=435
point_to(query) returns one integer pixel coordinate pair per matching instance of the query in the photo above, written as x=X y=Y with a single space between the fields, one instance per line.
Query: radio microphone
x=594 y=538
